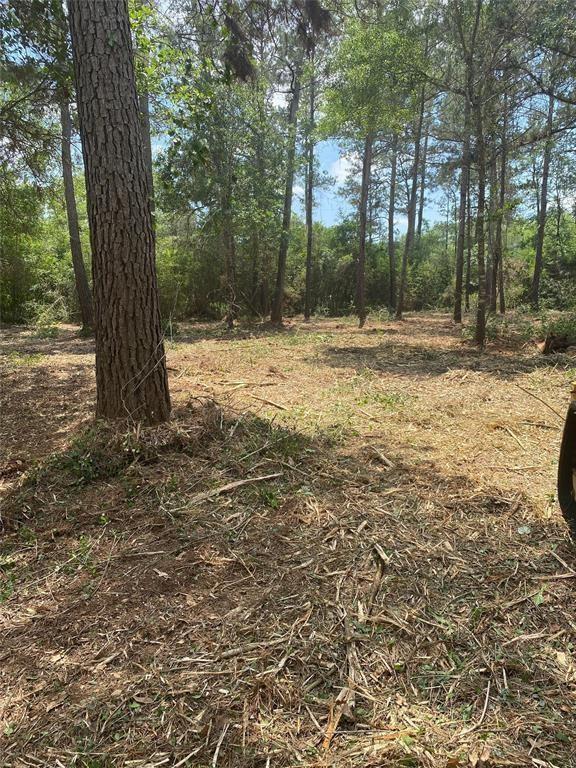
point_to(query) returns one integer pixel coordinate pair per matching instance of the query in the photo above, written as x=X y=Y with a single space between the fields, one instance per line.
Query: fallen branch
x=346 y=700
x=230 y=487
x=540 y=400
x=513 y=435
x=270 y=402
x=381 y=559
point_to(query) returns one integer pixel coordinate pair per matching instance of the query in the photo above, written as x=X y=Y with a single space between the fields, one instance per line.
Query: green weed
x=25 y=359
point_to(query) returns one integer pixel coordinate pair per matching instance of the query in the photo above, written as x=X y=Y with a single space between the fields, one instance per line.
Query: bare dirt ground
x=400 y=591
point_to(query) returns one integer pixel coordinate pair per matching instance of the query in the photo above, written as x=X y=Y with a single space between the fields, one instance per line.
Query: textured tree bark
x=462 y=209
x=82 y=286
x=391 y=211
x=497 y=270
x=278 y=303
x=543 y=209
x=409 y=243
x=310 y=203
x=131 y=379
x=480 y=336
x=363 y=217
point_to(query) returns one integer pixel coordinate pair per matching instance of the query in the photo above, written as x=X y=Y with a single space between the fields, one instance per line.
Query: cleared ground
x=399 y=593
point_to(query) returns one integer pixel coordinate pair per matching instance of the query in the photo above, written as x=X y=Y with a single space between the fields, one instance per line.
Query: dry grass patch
x=344 y=550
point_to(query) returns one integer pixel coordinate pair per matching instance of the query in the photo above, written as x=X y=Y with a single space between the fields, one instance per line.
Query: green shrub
x=561 y=325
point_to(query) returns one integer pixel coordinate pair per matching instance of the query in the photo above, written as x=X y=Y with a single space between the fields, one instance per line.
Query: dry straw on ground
x=393 y=586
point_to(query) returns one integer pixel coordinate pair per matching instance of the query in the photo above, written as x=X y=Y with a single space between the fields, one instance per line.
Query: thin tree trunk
x=489 y=229
x=131 y=378
x=539 y=261
x=497 y=271
x=363 y=214
x=255 y=246
x=409 y=244
x=260 y=269
x=278 y=302
x=422 y=196
x=536 y=188
x=480 y=336
x=229 y=253
x=462 y=217
x=144 y=107
x=391 y=211
x=81 y=280
x=447 y=225
x=559 y=214
x=475 y=107
x=310 y=203
x=468 y=248
x=502 y=299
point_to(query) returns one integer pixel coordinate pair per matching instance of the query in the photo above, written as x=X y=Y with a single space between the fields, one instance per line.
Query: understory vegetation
x=241 y=113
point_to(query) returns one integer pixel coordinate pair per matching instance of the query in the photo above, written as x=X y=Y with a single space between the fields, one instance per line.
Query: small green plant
x=389 y=400
x=26 y=535
x=45 y=314
x=270 y=497
x=46 y=331
x=25 y=359
x=95 y=454
x=80 y=557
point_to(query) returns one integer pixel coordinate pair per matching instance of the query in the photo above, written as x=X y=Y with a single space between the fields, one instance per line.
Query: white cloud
x=341 y=168
x=298 y=191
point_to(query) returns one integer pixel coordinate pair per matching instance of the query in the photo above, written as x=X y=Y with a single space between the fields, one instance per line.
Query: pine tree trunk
x=81 y=280
x=131 y=378
x=363 y=216
x=502 y=298
x=462 y=210
x=229 y=252
x=480 y=336
x=422 y=195
x=489 y=229
x=391 y=211
x=543 y=209
x=497 y=270
x=409 y=243
x=310 y=204
x=278 y=302
x=260 y=259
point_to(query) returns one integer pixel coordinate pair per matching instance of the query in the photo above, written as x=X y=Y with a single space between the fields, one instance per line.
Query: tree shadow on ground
x=39 y=405
x=158 y=612
x=416 y=359
x=18 y=342
x=198 y=332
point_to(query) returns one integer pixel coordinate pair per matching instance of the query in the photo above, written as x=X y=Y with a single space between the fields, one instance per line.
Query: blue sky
x=330 y=207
